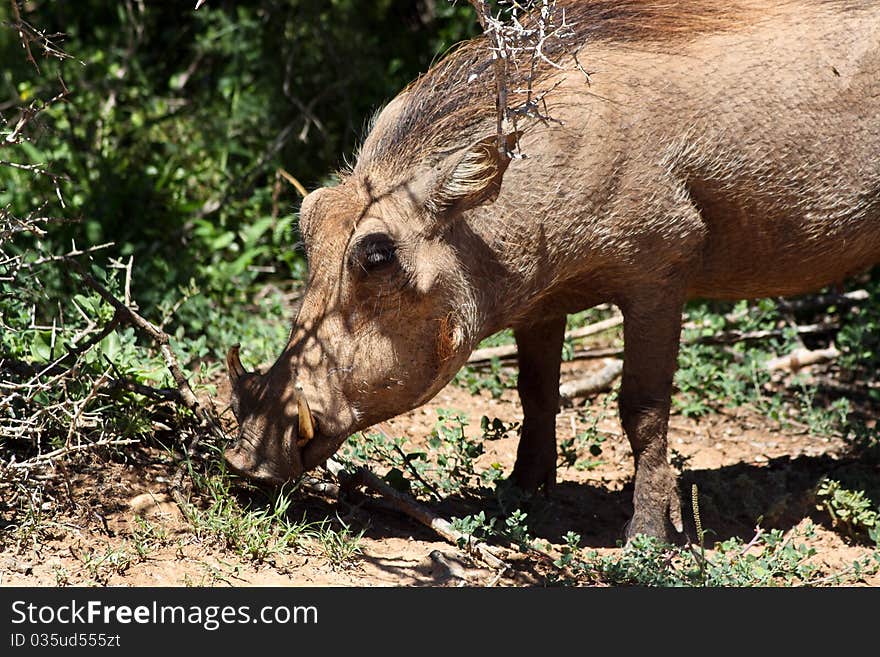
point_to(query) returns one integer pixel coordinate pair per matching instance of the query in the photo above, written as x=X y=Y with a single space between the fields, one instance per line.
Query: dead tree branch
x=362 y=477
x=157 y=335
x=599 y=382
x=731 y=337
x=63 y=451
x=509 y=350
x=28 y=35
x=802 y=358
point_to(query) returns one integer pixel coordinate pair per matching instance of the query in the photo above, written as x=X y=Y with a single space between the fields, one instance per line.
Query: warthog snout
x=270 y=445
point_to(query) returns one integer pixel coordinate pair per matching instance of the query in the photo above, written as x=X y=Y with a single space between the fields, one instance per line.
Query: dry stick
x=598 y=382
x=25 y=38
x=510 y=350
x=815 y=302
x=731 y=337
x=158 y=336
x=824 y=300
x=499 y=64
x=81 y=407
x=410 y=507
x=801 y=358
x=57 y=370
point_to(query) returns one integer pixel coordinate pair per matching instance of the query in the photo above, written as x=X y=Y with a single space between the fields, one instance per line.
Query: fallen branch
x=412 y=508
x=509 y=350
x=814 y=302
x=731 y=337
x=819 y=301
x=602 y=352
x=801 y=358
x=599 y=382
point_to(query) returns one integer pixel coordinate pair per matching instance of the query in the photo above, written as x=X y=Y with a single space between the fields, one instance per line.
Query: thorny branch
x=521 y=27
x=28 y=35
x=187 y=397
x=72 y=393
x=362 y=477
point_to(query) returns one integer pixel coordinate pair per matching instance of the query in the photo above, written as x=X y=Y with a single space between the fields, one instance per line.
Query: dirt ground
x=745 y=468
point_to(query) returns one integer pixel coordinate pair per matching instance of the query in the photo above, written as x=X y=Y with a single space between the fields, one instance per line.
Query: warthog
x=715 y=149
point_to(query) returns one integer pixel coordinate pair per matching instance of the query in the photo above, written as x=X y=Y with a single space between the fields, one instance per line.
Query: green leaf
x=40 y=347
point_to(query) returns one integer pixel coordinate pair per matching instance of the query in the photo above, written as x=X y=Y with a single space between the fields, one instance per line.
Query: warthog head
x=389 y=315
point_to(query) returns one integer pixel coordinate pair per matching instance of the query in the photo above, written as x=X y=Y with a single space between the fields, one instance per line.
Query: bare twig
x=509 y=351
x=157 y=335
x=24 y=34
x=63 y=451
x=187 y=397
x=28 y=34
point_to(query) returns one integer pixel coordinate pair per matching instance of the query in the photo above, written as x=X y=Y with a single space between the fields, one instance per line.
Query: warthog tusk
x=233 y=364
x=306 y=422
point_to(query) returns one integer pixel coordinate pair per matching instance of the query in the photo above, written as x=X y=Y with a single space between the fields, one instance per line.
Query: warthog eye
x=373 y=252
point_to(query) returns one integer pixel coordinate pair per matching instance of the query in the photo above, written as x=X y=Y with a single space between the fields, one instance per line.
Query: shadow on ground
x=732 y=500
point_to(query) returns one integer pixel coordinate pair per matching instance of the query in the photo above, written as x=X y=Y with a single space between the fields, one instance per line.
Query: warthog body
x=722 y=150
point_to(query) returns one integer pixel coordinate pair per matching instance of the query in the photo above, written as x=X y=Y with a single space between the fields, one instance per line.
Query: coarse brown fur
x=723 y=150
x=456 y=96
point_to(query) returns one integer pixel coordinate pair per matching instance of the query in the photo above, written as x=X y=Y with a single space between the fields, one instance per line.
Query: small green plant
x=455 y=453
x=474 y=527
x=770 y=559
x=341 y=546
x=255 y=533
x=62 y=576
x=447 y=466
x=568 y=553
x=103 y=565
x=821 y=420
x=146 y=536
x=494 y=378
x=511 y=528
x=851 y=511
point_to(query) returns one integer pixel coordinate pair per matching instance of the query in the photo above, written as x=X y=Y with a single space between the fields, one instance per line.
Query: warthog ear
x=470 y=177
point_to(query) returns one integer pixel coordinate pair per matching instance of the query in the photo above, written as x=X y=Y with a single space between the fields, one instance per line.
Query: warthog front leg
x=652 y=327
x=540 y=355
